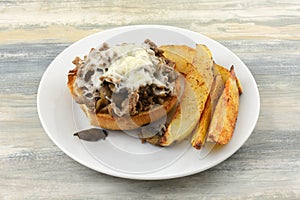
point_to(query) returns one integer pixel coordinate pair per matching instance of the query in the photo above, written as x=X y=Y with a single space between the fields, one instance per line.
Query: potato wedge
x=218 y=69
x=197 y=82
x=198 y=61
x=200 y=132
x=224 y=117
x=181 y=63
x=189 y=110
x=201 y=58
x=187 y=54
x=183 y=51
x=184 y=119
x=204 y=63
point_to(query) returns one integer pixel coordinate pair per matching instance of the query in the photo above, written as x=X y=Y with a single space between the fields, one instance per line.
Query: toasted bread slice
x=110 y=122
x=107 y=121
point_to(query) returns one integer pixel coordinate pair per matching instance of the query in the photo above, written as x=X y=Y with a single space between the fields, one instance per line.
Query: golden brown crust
x=107 y=121
x=131 y=122
x=188 y=114
x=225 y=115
x=199 y=134
x=71 y=79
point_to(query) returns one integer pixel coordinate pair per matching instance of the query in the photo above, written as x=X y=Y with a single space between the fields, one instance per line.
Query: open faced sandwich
x=129 y=86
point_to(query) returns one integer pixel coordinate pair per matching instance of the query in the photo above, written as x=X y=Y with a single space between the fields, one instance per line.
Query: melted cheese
x=127 y=66
x=133 y=69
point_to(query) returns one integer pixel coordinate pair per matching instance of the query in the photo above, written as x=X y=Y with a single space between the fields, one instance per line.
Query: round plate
x=122 y=155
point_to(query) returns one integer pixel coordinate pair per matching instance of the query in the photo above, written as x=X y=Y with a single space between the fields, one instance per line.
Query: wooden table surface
x=264 y=34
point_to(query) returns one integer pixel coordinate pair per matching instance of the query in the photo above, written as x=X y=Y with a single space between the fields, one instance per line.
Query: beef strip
x=107 y=100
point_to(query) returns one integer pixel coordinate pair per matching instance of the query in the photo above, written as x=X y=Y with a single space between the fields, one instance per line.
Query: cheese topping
x=128 y=67
x=133 y=69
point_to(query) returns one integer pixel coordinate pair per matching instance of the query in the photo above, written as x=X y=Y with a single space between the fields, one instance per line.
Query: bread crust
x=107 y=121
x=110 y=122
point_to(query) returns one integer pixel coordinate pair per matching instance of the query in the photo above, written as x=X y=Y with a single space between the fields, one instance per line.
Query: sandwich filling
x=124 y=79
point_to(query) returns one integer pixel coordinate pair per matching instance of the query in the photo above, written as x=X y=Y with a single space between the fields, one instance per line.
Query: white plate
x=124 y=156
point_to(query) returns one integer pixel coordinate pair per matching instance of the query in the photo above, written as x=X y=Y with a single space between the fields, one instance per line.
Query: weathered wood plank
x=29 y=172
x=277 y=74
x=267 y=166
x=24 y=65
x=66 y=21
x=264 y=34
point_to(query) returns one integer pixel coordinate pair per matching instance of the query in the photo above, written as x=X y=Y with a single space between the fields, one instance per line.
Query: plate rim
x=144 y=176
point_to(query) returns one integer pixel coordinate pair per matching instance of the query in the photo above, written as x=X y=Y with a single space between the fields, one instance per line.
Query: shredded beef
x=133 y=99
x=129 y=103
x=158 y=52
x=102 y=97
x=124 y=102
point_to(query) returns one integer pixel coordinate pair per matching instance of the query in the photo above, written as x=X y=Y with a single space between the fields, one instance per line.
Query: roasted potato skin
x=200 y=132
x=212 y=88
x=189 y=110
x=225 y=115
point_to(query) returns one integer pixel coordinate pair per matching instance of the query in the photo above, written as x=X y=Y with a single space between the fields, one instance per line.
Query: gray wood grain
x=264 y=34
x=69 y=20
x=266 y=166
